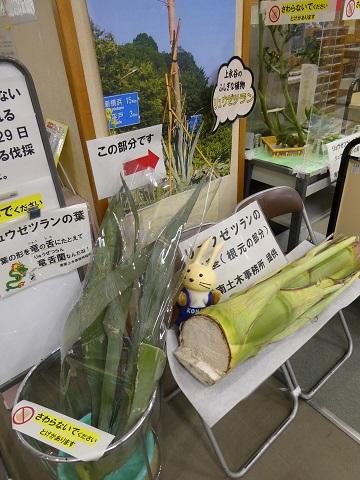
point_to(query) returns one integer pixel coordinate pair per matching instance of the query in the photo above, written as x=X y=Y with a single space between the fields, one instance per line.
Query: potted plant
x=112 y=353
x=288 y=135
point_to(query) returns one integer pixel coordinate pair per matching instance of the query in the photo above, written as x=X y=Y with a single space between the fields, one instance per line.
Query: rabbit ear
x=215 y=253
x=202 y=251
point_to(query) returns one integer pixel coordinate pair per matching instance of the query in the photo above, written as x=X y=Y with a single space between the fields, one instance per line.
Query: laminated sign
x=298 y=11
x=34 y=250
x=249 y=253
x=136 y=155
x=80 y=440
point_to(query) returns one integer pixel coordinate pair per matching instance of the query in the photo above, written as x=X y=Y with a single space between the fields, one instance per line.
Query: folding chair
x=285 y=200
x=274 y=202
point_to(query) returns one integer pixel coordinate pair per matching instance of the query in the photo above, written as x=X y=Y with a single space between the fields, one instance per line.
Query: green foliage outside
x=140 y=67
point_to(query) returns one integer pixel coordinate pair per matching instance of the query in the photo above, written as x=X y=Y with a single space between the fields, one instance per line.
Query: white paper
x=250 y=251
x=32 y=251
x=124 y=153
x=214 y=402
x=80 y=440
x=298 y=11
x=335 y=150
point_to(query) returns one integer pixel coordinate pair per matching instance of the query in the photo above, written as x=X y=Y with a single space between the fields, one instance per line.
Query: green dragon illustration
x=18 y=273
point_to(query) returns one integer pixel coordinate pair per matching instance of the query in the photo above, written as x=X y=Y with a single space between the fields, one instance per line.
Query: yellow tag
x=19 y=207
x=64 y=433
x=64 y=429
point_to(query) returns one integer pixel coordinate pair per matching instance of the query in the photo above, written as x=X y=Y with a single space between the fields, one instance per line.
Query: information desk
x=307 y=174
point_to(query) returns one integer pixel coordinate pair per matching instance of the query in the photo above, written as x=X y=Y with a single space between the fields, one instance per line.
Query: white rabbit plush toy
x=198 y=283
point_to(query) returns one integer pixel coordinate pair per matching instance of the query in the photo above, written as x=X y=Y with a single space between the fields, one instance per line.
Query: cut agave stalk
x=223 y=335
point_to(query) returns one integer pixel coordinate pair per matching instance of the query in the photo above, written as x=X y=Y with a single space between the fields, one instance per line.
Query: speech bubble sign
x=234 y=94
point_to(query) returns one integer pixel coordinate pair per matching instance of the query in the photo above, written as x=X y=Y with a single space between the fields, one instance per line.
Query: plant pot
x=124 y=459
x=277 y=151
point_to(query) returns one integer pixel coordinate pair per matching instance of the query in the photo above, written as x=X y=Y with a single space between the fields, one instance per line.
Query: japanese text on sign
x=33 y=250
x=250 y=250
x=335 y=150
x=137 y=155
x=19 y=207
x=71 y=436
x=23 y=159
x=234 y=95
x=122 y=110
x=298 y=11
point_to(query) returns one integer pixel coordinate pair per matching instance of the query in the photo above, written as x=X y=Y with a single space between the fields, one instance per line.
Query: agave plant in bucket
x=112 y=351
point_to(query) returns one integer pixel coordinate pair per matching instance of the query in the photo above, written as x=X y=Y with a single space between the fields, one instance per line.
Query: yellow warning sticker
x=19 y=207
x=66 y=429
x=298 y=11
x=60 y=431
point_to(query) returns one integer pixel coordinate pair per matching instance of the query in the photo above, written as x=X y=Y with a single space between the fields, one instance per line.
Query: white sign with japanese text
x=351 y=10
x=298 y=11
x=249 y=253
x=55 y=243
x=335 y=150
x=137 y=155
x=22 y=155
x=71 y=436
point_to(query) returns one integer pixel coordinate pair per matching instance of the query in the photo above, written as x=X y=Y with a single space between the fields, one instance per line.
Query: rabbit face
x=199 y=275
x=201 y=278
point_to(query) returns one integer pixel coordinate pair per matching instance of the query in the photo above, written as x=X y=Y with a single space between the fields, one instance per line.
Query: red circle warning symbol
x=23 y=415
x=274 y=14
x=350 y=8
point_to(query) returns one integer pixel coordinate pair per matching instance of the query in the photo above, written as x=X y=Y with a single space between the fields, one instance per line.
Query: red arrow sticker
x=23 y=415
x=148 y=161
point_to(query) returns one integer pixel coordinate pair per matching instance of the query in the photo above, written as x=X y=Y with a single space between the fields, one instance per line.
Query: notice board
x=31 y=320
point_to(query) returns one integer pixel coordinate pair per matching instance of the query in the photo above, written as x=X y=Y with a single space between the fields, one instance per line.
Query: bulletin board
x=344 y=218
x=31 y=320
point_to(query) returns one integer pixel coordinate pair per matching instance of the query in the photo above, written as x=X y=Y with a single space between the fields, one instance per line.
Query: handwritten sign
x=34 y=250
x=234 y=94
x=298 y=11
x=250 y=250
x=71 y=436
x=335 y=150
x=137 y=155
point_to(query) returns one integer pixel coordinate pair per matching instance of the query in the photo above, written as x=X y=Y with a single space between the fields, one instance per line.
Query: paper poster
x=137 y=155
x=335 y=150
x=22 y=154
x=250 y=251
x=234 y=93
x=298 y=11
x=55 y=243
x=66 y=434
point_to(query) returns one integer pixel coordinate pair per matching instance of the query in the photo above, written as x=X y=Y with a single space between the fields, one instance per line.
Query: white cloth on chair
x=214 y=402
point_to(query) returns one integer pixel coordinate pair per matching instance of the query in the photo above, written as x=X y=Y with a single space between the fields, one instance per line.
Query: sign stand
x=31 y=320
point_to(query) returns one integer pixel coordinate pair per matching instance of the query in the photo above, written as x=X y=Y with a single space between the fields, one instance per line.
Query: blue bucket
x=133 y=469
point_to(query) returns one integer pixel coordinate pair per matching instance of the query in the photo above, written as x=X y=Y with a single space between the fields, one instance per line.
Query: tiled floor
x=311 y=449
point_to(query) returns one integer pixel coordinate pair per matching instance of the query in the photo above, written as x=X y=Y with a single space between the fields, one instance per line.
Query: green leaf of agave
x=150 y=366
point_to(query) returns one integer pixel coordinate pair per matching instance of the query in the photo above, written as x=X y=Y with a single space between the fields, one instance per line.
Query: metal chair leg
x=294 y=392
x=310 y=393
